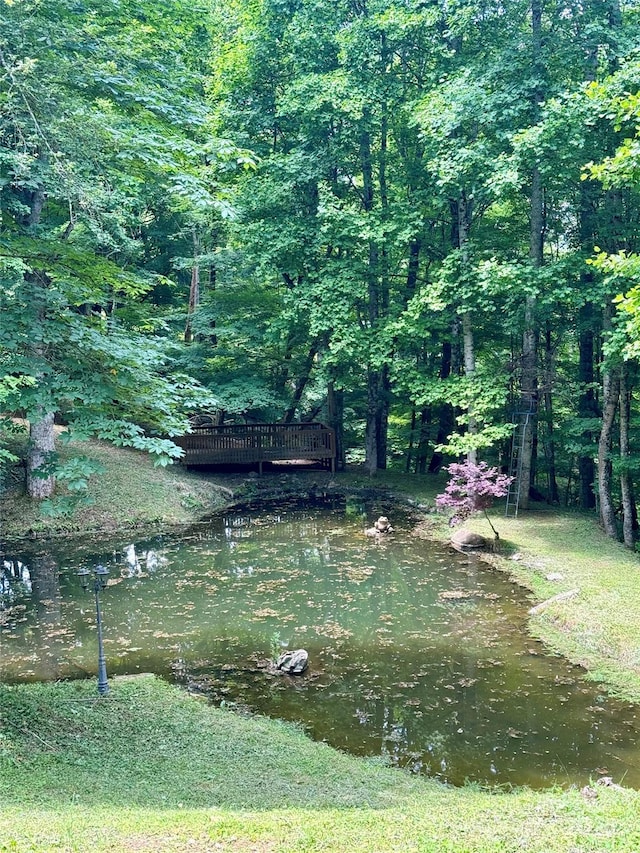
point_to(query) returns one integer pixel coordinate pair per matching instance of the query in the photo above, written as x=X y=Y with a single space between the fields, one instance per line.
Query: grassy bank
x=148 y=768
x=130 y=494
x=553 y=552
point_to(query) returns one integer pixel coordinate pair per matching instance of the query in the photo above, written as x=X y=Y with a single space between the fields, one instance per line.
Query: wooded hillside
x=418 y=222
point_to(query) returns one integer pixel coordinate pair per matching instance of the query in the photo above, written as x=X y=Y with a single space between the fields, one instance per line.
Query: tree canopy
x=416 y=221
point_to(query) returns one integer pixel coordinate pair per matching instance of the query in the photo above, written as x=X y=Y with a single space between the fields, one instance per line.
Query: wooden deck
x=247 y=444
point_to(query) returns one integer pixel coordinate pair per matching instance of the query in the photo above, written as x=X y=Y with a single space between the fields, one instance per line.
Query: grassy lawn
x=149 y=768
x=552 y=552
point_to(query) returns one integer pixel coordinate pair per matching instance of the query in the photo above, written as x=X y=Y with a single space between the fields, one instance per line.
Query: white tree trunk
x=611 y=394
x=41 y=445
x=468 y=348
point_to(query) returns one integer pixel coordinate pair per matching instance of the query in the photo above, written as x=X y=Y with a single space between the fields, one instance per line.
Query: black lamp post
x=99 y=583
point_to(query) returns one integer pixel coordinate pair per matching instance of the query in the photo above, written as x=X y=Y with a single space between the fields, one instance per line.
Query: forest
x=417 y=221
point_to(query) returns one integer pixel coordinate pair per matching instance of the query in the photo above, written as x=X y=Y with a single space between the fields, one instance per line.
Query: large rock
x=293 y=663
x=380 y=528
x=466 y=541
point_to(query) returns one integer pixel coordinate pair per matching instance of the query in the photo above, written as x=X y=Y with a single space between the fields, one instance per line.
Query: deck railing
x=242 y=444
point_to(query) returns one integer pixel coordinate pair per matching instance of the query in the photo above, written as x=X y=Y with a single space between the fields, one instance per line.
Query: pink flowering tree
x=472 y=488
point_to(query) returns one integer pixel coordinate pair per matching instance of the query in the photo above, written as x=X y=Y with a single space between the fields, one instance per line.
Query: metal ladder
x=521 y=420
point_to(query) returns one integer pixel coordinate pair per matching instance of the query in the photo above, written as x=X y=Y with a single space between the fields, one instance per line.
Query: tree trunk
x=371 y=433
x=552 y=493
x=41 y=432
x=335 y=416
x=382 y=420
x=469 y=371
x=194 y=289
x=41 y=446
x=587 y=407
x=529 y=381
x=378 y=385
x=611 y=376
x=629 y=514
x=423 y=441
x=446 y=419
x=412 y=429
x=377 y=298
x=587 y=321
x=413 y=266
x=460 y=234
x=301 y=383
x=611 y=395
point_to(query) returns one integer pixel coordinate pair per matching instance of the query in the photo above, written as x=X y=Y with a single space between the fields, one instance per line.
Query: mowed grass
x=552 y=552
x=149 y=768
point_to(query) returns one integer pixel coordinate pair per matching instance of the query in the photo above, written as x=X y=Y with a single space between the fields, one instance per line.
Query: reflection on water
x=416 y=653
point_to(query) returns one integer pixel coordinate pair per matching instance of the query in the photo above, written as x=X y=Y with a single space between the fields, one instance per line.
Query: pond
x=417 y=653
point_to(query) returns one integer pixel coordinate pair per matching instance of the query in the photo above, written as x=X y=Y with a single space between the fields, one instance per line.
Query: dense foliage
x=416 y=221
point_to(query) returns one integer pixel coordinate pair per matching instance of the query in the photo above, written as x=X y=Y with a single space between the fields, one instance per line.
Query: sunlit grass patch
x=553 y=551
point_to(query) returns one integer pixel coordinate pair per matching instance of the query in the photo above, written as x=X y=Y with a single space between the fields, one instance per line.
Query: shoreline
x=546 y=552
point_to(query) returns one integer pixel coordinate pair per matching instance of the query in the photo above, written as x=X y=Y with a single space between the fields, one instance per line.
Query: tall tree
x=88 y=137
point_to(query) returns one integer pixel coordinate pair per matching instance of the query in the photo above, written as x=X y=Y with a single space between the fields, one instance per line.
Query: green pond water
x=417 y=653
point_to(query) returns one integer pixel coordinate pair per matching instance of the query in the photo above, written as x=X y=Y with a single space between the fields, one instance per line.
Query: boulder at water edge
x=465 y=541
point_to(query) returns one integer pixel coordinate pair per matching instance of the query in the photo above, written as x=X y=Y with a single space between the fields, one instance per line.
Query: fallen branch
x=37 y=737
x=559 y=597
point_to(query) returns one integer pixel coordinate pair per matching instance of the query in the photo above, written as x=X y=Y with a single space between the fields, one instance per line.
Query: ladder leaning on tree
x=521 y=420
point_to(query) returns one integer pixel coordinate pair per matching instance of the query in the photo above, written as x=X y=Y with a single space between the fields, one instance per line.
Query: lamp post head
x=101 y=575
